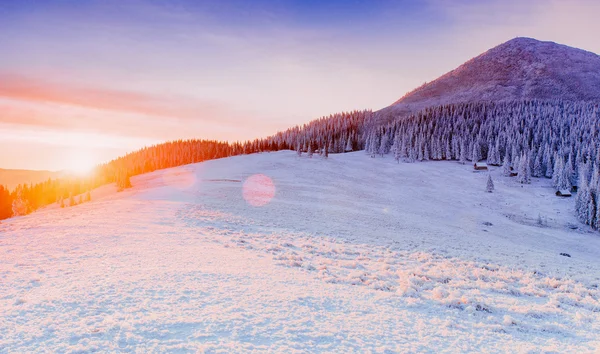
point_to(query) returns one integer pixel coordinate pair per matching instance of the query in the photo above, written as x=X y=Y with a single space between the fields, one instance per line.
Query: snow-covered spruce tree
x=403 y=149
x=348 y=146
x=591 y=208
x=506 y=171
x=373 y=143
x=20 y=206
x=412 y=154
x=309 y=152
x=516 y=164
x=580 y=200
x=474 y=155
x=123 y=182
x=490 y=184
x=419 y=150
x=548 y=163
x=383 y=147
x=564 y=179
x=524 y=176
x=493 y=152
x=537 y=167
x=558 y=172
x=325 y=151
x=596 y=223
x=397 y=148
x=88 y=196
x=71 y=199
x=569 y=172
x=299 y=149
x=463 y=153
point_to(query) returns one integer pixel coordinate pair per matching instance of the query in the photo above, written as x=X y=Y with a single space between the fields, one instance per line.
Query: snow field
x=349 y=254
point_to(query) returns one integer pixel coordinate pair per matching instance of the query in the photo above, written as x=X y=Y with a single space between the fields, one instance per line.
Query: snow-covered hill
x=275 y=252
x=522 y=68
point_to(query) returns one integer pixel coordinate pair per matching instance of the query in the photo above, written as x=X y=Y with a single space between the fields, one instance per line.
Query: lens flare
x=258 y=190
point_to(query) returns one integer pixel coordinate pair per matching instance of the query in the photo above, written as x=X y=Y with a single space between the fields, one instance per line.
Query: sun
x=80 y=162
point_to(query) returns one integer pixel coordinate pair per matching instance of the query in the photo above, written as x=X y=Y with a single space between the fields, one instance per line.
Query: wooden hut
x=563 y=193
x=480 y=166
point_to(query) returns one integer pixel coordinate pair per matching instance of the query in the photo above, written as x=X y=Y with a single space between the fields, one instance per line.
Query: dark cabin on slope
x=480 y=166
x=563 y=193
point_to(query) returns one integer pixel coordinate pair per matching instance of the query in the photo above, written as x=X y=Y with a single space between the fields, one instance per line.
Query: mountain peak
x=521 y=68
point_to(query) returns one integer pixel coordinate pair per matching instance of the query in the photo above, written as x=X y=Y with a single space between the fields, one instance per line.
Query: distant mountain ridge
x=12 y=178
x=520 y=69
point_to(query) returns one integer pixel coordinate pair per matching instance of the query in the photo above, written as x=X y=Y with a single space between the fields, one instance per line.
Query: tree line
x=529 y=139
x=556 y=139
x=336 y=133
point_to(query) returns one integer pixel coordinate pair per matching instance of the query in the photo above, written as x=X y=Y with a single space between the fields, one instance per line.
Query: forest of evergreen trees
x=529 y=139
x=336 y=133
x=557 y=140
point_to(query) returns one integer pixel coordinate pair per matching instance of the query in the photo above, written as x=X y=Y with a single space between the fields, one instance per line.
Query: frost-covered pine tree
x=537 y=167
x=348 y=145
x=397 y=148
x=564 y=181
x=558 y=172
x=490 y=184
x=597 y=216
x=20 y=206
x=463 y=153
x=490 y=155
x=568 y=172
x=524 y=176
x=412 y=154
x=374 y=144
x=549 y=166
x=475 y=156
x=420 y=150
x=591 y=209
x=309 y=152
x=383 y=147
x=582 y=199
x=506 y=171
x=403 y=149
x=516 y=163
x=299 y=149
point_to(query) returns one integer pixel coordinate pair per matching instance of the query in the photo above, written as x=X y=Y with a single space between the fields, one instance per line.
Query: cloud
x=28 y=89
x=33 y=102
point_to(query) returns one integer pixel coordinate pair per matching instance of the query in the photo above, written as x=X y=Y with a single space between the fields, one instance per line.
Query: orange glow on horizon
x=80 y=162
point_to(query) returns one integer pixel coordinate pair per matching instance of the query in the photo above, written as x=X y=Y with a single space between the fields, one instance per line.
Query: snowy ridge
x=520 y=69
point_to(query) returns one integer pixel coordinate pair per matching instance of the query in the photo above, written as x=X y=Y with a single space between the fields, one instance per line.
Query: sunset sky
x=82 y=82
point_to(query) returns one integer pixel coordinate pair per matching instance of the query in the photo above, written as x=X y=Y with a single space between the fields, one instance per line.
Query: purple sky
x=85 y=81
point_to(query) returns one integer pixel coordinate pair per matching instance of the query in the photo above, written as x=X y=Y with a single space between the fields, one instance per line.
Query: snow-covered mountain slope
x=522 y=68
x=283 y=253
